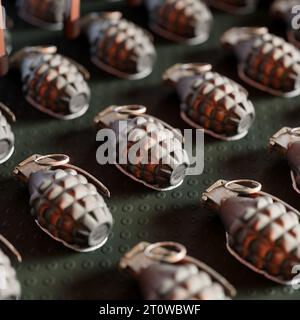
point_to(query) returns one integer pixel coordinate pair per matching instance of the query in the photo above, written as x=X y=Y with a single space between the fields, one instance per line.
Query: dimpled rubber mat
x=51 y=271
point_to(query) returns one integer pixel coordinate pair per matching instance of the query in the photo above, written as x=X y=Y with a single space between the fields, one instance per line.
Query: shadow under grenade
x=179 y=20
x=263 y=232
x=47 y=13
x=211 y=101
x=165 y=272
x=283 y=9
x=119 y=46
x=10 y=288
x=65 y=201
x=266 y=61
x=147 y=149
x=287 y=142
x=234 y=6
x=7 y=138
x=52 y=83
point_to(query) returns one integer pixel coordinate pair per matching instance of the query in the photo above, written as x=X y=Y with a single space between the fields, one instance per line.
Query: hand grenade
x=47 y=13
x=187 y=21
x=263 y=232
x=211 y=101
x=147 y=149
x=165 y=272
x=118 y=46
x=266 y=62
x=283 y=9
x=52 y=83
x=10 y=288
x=234 y=6
x=7 y=138
x=65 y=202
x=287 y=142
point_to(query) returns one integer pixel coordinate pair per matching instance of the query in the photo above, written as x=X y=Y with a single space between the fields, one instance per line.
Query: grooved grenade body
x=266 y=61
x=283 y=9
x=7 y=138
x=65 y=202
x=118 y=46
x=234 y=6
x=166 y=275
x=47 y=13
x=179 y=20
x=287 y=142
x=262 y=231
x=147 y=149
x=52 y=83
x=211 y=101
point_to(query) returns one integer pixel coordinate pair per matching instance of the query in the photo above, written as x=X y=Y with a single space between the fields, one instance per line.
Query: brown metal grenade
x=52 y=83
x=10 y=288
x=234 y=6
x=211 y=101
x=186 y=21
x=262 y=231
x=166 y=275
x=283 y=9
x=287 y=142
x=47 y=13
x=119 y=46
x=147 y=149
x=7 y=138
x=65 y=202
x=266 y=61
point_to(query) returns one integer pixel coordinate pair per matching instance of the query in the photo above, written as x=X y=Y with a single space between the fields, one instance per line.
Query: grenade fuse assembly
x=262 y=231
x=148 y=150
x=65 y=202
x=165 y=272
x=211 y=101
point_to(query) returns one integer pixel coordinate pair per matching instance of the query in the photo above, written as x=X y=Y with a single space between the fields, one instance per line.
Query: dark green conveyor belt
x=51 y=271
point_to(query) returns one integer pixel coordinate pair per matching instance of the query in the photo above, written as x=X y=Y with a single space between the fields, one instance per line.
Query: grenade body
x=235 y=6
x=266 y=61
x=180 y=20
x=10 y=288
x=148 y=150
x=118 y=46
x=187 y=279
x=7 y=139
x=47 y=13
x=212 y=101
x=263 y=232
x=69 y=208
x=54 y=84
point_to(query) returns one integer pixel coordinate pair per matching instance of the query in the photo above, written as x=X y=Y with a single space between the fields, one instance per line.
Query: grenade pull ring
x=11 y=248
x=170 y=256
x=243 y=186
x=179 y=71
x=8 y=112
x=37 y=162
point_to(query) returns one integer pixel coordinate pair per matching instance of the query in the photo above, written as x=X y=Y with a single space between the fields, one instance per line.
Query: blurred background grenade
x=179 y=282
x=235 y=6
x=7 y=138
x=211 y=101
x=47 y=13
x=118 y=46
x=10 y=288
x=265 y=61
x=52 y=83
x=69 y=208
x=187 y=21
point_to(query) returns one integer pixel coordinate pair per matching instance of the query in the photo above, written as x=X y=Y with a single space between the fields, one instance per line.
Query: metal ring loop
x=242 y=188
x=295 y=132
x=169 y=255
x=201 y=67
x=51 y=161
x=133 y=109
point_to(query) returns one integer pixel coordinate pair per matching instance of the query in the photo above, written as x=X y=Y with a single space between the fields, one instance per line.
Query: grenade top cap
x=90 y=18
x=282 y=139
x=236 y=35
